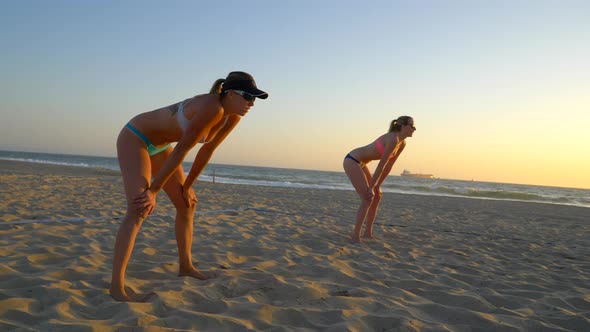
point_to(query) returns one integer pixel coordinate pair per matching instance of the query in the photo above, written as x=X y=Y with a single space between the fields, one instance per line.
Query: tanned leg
x=371 y=215
x=135 y=170
x=372 y=212
x=183 y=226
x=360 y=182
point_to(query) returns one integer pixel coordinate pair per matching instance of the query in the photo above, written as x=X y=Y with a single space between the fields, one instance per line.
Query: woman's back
x=163 y=126
x=373 y=150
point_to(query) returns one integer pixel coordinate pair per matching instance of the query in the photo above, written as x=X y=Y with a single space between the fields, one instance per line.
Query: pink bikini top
x=379 y=144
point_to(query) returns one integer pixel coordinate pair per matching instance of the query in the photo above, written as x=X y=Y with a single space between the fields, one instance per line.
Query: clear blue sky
x=499 y=89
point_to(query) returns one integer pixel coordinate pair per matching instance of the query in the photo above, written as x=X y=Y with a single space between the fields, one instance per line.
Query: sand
x=283 y=261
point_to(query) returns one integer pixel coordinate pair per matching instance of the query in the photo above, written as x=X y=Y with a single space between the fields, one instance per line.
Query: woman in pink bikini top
x=386 y=149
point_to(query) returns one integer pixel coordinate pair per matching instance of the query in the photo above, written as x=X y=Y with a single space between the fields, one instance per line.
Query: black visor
x=248 y=86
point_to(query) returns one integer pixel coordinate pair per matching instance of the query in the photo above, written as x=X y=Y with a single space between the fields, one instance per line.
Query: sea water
x=296 y=178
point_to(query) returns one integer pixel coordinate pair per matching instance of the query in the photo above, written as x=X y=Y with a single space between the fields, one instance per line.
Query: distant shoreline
x=8 y=167
x=421 y=187
x=14 y=166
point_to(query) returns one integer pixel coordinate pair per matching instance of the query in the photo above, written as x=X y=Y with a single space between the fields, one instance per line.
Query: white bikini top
x=183 y=122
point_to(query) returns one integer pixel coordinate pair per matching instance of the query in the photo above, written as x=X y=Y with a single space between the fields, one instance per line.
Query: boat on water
x=416 y=175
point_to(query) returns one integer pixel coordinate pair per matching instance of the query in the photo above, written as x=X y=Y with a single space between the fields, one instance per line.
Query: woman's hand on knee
x=369 y=195
x=377 y=195
x=145 y=202
x=190 y=198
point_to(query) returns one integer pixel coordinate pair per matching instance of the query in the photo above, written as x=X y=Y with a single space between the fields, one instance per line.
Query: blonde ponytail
x=216 y=87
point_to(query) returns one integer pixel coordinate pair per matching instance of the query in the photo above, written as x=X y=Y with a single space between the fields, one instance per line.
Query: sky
x=499 y=90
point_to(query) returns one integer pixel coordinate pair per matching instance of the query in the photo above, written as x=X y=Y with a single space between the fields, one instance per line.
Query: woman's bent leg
x=135 y=170
x=360 y=182
x=371 y=215
x=372 y=211
x=184 y=217
x=124 y=244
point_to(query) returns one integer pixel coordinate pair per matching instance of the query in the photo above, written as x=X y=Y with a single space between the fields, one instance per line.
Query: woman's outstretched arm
x=205 y=152
x=389 y=165
x=199 y=125
x=379 y=175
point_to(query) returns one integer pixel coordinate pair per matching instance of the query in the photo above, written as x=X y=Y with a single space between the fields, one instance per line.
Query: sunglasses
x=411 y=125
x=245 y=95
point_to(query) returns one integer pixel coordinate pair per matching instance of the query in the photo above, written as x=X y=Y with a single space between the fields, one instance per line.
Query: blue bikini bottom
x=152 y=149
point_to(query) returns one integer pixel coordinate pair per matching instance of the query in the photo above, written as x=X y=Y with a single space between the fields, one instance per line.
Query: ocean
x=295 y=178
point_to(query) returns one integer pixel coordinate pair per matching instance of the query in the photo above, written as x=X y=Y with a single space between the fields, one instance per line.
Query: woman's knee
x=133 y=219
x=365 y=200
x=182 y=209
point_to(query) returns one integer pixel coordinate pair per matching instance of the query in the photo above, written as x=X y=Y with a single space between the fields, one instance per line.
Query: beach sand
x=283 y=261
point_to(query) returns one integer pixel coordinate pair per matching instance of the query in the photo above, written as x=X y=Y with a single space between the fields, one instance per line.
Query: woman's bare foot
x=192 y=272
x=129 y=295
x=370 y=237
x=119 y=296
x=355 y=239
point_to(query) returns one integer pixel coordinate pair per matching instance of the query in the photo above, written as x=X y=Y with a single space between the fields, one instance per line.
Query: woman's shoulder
x=207 y=98
x=391 y=137
x=207 y=103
